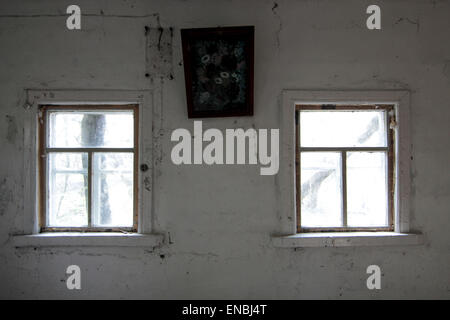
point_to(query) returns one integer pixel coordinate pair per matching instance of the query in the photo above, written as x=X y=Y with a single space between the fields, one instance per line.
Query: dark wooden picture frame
x=218 y=70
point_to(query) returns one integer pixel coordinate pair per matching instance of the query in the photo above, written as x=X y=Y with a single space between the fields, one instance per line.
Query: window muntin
x=344 y=168
x=88 y=168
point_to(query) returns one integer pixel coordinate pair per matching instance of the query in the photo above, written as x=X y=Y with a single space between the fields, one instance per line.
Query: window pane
x=75 y=129
x=112 y=189
x=367 y=189
x=67 y=190
x=342 y=129
x=321 y=200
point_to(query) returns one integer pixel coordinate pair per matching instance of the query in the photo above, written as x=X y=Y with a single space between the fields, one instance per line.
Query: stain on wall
x=11 y=129
x=446 y=69
x=6 y=195
x=159 y=52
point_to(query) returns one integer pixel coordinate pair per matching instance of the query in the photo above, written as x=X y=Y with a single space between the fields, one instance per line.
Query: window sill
x=347 y=239
x=91 y=239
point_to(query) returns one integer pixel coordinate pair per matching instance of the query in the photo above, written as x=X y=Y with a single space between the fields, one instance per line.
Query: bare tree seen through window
x=92 y=135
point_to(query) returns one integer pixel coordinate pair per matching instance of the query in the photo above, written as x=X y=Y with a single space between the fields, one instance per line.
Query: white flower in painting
x=218 y=80
x=235 y=76
x=206 y=58
x=225 y=75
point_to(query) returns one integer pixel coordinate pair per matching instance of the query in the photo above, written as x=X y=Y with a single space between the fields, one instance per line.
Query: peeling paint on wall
x=159 y=52
x=11 y=130
x=6 y=196
x=147 y=184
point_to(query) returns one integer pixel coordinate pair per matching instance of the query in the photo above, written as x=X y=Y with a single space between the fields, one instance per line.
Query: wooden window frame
x=389 y=149
x=43 y=150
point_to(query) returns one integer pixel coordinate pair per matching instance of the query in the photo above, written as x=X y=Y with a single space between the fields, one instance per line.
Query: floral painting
x=219 y=81
x=218 y=73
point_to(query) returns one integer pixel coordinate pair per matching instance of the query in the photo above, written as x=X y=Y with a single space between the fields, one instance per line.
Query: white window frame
x=286 y=234
x=146 y=235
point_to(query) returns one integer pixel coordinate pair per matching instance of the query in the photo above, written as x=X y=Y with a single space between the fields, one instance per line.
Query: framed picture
x=218 y=69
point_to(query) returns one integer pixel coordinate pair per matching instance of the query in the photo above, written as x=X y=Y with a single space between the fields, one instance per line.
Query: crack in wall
x=158 y=52
x=410 y=21
x=101 y=14
x=280 y=23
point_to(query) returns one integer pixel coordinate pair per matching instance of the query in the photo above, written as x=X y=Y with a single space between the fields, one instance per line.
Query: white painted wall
x=220 y=218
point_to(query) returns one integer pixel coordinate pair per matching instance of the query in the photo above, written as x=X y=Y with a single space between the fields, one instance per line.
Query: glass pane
x=342 y=129
x=321 y=195
x=112 y=190
x=367 y=204
x=67 y=190
x=74 y=129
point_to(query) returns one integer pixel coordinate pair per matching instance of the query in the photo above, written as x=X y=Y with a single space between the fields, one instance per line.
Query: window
x=338 y=125
x=88 y=167
x=344 y=167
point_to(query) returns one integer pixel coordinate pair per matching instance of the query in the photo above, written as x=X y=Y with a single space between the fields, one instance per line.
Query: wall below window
x=219 y=219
